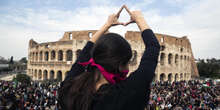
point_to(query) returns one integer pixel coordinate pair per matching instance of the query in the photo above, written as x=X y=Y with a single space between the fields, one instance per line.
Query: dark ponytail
x=77 y=93
x=111 y=50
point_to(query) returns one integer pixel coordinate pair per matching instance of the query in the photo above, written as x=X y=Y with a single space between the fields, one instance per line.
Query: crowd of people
x=191 y=95
x=36 y=96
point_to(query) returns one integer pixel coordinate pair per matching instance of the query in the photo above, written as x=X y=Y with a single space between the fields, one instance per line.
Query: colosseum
x=52 y=60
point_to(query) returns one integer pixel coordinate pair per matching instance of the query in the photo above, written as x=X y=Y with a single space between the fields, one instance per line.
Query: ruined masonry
x=52 y=60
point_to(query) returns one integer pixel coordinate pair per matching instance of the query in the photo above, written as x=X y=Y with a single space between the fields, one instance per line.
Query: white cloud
x=200 y=22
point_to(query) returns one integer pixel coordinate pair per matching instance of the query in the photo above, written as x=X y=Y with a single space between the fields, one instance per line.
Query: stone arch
x=59 y=75
x=181 y=57
x=170 y=77
x=60 y=55
x=181 y=60
x=162 y=58
x=170 y=58
x=46 y=56
x=70 y=36
x=181 y=76
x=35 y=74
x=162 y=47
x=133 y=60
x=176 y=59
x=69 y=55
x=181 y=49
x=36 y=57
x=41 y=55
x=53 y=55
x=78 y=51
x=45 y=75
x=176 y=77
x=90 y=35
x=185 y=57
x=51 y=74
x=162 y=39
x=39 y=75
x=162 y=77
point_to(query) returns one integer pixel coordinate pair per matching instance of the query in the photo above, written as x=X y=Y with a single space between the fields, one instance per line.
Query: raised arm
x=85 y=54
x=141 y=78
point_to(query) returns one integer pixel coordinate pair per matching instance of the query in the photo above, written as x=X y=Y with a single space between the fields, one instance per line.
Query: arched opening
x=35 y=74
x=162 y=57
x=181 y=60
x=170 y=58
x=71 y=36
x=162 y=48
x=69 y=55
x=162 y=39
x=46 y=57
x=53 y=55
x=60 y=55
x=78 y=53
x=133 y=60
x=51 y=74
x=90 y=35
x=176 y=77
x=36 y=56
x=170 y=77
x=176 y=59
x=162 y=77
x=181 y=49
x=45 y=75
x=41 y=55
x=40 y=75
x=59 y=76
x=181 y=76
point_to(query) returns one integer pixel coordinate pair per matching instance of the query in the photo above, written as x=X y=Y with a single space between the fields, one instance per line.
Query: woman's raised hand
x=112 y=21
x=113 y=18
x=136 y=17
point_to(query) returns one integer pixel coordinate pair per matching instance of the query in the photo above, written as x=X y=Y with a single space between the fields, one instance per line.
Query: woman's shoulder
x=114 y=97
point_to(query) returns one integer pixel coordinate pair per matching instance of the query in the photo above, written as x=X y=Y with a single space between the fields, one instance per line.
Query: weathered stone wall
x=52 y=60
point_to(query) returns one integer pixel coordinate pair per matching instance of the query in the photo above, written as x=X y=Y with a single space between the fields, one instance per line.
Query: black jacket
x=132 y=93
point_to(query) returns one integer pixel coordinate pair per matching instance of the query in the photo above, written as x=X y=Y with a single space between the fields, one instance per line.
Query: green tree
x=23 y=78
x=209 y=68
x=23 y=60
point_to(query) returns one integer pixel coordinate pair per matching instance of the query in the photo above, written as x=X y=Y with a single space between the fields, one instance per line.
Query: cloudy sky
x=47 y=20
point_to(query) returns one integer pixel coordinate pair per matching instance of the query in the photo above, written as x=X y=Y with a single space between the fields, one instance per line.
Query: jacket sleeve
x=141 y=78
x=84 y=56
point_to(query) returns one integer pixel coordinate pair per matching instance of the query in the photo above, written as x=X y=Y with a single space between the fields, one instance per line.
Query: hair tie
x=110 y=77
